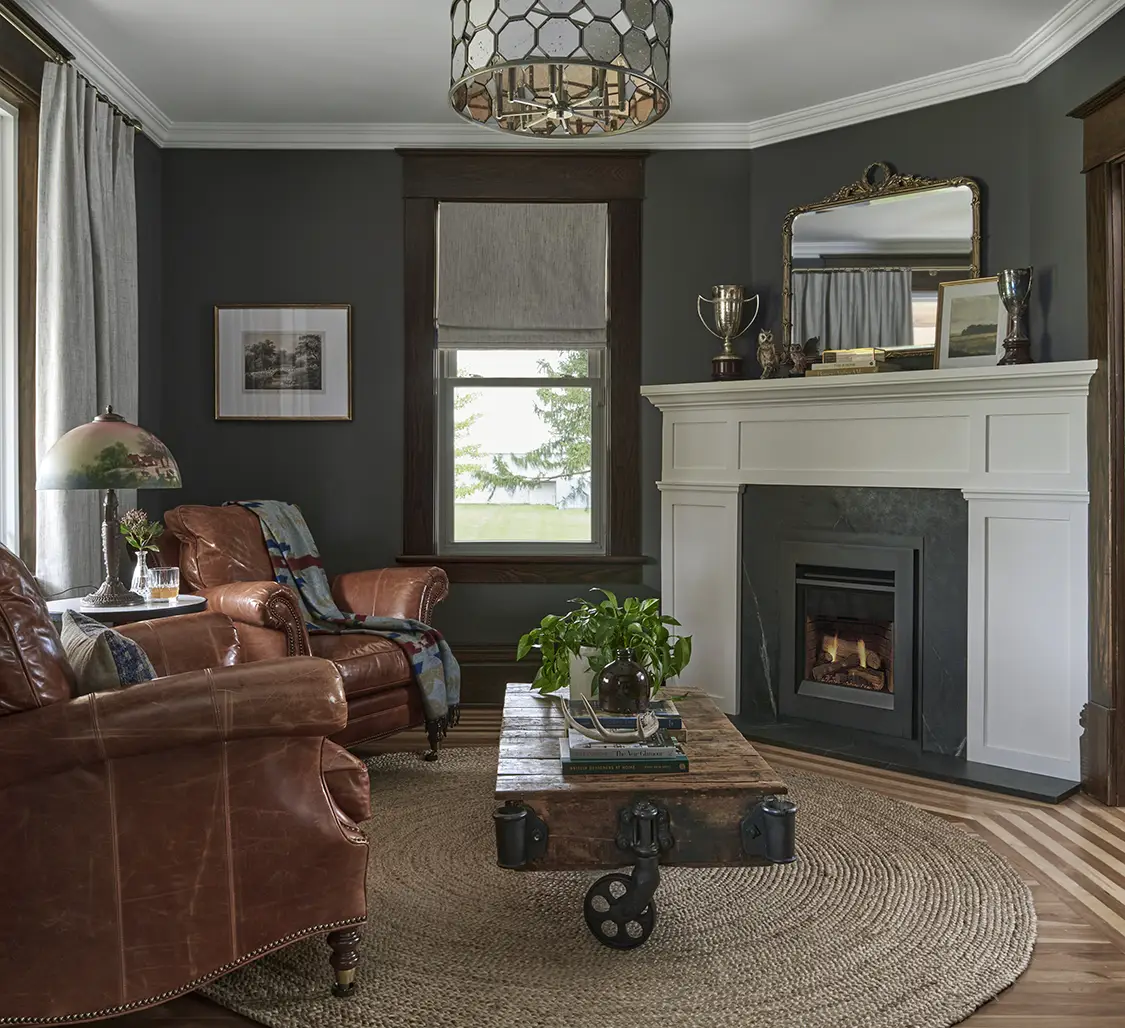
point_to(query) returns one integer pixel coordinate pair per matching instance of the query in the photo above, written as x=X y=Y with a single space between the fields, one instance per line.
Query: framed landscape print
x=971 y=324
x=283 y=362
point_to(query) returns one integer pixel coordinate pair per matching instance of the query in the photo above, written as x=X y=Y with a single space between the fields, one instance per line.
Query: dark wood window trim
x=614 y=178
x=25 y=47
x=1103 y=718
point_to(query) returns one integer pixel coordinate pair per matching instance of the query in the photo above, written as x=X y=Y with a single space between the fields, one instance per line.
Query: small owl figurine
x=799 y=360
x=768 y=356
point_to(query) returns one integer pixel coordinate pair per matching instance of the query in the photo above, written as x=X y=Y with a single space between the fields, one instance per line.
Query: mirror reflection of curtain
x=850 y=308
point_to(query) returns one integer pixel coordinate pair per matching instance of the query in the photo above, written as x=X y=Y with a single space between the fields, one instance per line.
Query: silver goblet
x=1015 y=290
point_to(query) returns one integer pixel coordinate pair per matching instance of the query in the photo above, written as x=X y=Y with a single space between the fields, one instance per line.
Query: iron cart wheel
x=608 y=917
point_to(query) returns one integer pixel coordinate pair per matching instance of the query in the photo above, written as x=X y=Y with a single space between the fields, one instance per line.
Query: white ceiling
x=205 y=71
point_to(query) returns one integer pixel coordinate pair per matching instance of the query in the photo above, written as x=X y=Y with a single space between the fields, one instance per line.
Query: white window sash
x=444 y=497
x=9 y=339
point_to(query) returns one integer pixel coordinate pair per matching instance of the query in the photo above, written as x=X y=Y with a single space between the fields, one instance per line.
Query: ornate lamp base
x=111 y=593
x=726 y=367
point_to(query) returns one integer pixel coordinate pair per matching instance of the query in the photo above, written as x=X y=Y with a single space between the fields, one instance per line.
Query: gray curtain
x=853 y=308
x=519 y=273
x=86 y=346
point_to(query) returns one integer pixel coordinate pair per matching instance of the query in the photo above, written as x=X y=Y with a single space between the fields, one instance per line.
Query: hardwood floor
x=1072 y=855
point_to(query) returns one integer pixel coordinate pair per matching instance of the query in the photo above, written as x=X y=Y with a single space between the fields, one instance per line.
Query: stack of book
x=671 y=723
x=863 y=361
x=659 y=755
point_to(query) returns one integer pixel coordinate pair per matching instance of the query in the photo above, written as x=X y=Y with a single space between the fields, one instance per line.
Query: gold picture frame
x=283 y=362
x=879 y=180
x=982 y=293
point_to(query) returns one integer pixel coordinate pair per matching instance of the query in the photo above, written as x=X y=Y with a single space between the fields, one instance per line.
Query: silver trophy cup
x=728 y=303
x=1015 y=290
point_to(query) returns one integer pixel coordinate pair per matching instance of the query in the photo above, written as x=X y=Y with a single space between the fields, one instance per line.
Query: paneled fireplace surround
x=817 y=579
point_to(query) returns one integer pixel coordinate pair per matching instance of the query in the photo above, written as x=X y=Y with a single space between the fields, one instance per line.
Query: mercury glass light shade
x=559 y=68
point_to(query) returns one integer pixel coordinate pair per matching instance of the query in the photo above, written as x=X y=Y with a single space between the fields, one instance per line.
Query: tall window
x=522 y=299
x=9 y=340
x=522 y=330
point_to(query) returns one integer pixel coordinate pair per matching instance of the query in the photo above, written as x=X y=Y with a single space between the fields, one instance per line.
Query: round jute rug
x=892 y=918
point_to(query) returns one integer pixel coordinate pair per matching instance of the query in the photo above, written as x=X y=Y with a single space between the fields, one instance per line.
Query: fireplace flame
x=861 y=647
x=832 y=647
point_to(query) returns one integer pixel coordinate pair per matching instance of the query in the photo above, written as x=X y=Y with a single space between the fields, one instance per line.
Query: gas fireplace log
x=865 y=678
x=822 y=672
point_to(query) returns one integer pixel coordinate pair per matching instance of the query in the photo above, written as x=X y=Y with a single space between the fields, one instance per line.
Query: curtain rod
x=34 y=33
x=52 y=49
x=125 y=116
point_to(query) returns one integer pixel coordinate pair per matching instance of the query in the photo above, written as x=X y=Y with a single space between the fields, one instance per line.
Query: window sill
x=510 y=570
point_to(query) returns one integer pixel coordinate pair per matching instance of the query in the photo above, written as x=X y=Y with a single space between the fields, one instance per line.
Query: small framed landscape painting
x=283 y=362
x=971 y=323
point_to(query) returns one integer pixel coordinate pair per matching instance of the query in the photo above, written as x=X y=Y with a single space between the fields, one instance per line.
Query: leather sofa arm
x=287 y=698
x=263 y=605
x=392 y=592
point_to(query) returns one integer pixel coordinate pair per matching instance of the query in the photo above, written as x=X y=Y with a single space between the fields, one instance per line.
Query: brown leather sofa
x=222 y=555
x=145 y=847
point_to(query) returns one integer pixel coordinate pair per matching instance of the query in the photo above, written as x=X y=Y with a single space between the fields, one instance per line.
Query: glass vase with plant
x=141 y=534
x=606 y=627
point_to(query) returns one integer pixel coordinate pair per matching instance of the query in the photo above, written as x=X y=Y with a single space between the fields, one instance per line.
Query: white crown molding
x=388 y=136
x=1066 y=29
x=102 y=72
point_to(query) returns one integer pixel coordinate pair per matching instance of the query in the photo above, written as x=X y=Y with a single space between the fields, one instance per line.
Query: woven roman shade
x=512 y=274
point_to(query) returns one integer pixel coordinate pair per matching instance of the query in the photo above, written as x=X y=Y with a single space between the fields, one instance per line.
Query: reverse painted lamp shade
x=108 y=453
x=558 y=68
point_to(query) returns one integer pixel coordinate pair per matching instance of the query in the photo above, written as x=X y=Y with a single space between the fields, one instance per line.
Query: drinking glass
x=163 y=584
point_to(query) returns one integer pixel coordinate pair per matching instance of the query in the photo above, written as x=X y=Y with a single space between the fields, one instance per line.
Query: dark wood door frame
x=1103 y=719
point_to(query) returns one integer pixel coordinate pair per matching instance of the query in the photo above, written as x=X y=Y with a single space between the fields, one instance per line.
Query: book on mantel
x=583 y=756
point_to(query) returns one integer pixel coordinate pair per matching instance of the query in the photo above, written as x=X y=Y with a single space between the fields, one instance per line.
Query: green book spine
x=624 y=767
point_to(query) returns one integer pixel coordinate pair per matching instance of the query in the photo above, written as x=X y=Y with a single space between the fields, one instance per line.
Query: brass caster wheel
x=606 y=917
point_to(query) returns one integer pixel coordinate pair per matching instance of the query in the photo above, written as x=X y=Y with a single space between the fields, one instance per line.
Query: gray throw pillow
x=102 y=658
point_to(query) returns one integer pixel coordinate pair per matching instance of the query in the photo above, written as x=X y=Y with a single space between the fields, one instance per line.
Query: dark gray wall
x=983 y=137
x=306 y=226
x=280 y=227
x=1057 y=191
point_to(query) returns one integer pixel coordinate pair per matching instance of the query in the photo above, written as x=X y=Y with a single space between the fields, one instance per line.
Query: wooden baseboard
x=486 y=671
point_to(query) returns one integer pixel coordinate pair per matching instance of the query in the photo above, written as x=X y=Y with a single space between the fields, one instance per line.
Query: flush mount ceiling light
x=561 y=67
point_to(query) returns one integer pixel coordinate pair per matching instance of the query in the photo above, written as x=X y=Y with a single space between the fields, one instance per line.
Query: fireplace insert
x=848 y=644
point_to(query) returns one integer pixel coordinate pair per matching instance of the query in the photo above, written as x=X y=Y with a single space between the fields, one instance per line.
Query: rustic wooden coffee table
x=726 y=810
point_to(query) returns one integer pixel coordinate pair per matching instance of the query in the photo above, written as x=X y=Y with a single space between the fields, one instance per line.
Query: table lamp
x=109 y=453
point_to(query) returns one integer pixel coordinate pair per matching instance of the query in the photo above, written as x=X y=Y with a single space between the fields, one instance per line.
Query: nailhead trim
x=190 y=986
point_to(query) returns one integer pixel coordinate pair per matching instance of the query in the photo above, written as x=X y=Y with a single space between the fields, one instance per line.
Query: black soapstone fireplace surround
x=781 y=708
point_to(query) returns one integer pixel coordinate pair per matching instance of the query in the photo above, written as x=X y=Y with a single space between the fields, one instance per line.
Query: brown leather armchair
x=222 y=555
x=144 y=850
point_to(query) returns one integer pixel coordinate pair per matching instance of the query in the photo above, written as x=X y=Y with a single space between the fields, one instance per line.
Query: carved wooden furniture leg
x=433 y=733
x=344 y=959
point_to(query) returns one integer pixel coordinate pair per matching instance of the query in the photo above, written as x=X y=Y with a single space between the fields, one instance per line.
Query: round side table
x=125 y=615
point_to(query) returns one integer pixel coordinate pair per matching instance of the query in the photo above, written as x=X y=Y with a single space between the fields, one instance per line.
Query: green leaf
x=524 y=647
x=610 y=597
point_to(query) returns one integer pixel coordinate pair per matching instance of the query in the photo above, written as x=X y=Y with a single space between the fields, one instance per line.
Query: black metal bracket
x=645 y=830
x=521 y=835
x=769 y=831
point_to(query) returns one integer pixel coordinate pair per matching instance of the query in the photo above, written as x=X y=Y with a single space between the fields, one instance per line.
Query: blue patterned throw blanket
x=297 y=564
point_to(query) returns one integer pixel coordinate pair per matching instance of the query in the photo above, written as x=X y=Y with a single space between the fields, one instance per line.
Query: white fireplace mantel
x=1012 y=439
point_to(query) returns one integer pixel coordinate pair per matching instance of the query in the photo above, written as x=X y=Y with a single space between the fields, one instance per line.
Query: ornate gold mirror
x=862 y=267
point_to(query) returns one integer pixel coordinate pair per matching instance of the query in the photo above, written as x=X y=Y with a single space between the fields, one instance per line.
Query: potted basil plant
x=575 y=647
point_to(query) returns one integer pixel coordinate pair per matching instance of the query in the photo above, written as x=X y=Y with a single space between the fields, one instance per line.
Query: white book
x=582 y=748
